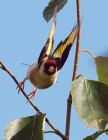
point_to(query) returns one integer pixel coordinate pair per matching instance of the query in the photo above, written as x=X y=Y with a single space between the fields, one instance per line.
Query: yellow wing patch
x=50 y=46
x=68 y=41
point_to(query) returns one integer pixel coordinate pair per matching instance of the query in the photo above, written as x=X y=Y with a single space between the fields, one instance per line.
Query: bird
x=43 y=74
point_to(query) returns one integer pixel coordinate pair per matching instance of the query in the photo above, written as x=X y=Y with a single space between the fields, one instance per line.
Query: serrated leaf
x=102 y=68
x=28 y=128
x=90 y=99
x=49 y=10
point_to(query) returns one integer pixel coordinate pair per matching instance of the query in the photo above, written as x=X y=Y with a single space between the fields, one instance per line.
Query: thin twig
x=69 y=101
x=29 y=101
x=46 y=132
x=89 y=52
x=96 y=135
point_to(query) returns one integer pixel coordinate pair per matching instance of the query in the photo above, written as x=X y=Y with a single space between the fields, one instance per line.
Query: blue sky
x=23 y=33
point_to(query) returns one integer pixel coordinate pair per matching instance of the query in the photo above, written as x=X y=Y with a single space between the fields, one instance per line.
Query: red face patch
x=50 y=67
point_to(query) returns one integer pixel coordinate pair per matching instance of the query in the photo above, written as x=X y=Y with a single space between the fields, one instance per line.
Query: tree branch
x=46 y=132
x=2 y=66
x=96 y=135
x=69 y=101
x=78 y=43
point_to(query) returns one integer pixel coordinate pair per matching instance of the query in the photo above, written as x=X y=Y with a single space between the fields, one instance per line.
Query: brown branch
x=25 y=95
x=96 y=135
x=69 y=101
x=46 y=132
x=78 y=42
x=68 y=116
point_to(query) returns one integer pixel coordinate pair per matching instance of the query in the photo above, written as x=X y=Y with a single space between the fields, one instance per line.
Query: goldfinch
x=43 y=74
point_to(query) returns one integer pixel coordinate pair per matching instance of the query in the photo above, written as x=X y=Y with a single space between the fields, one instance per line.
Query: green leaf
x=29 y=128
x=102 y=68
x=49 y=10
x=90 y=99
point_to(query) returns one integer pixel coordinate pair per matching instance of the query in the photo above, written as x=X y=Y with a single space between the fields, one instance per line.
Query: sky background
x=23 y=33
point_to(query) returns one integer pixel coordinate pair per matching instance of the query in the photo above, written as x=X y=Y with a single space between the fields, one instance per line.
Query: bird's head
x=50 y=67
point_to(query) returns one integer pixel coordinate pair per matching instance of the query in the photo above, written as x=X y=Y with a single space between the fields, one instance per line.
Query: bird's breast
x=40 y=79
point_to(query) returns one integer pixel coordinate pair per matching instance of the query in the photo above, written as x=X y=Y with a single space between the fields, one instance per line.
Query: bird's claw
x=21 y=85
x=32 y=94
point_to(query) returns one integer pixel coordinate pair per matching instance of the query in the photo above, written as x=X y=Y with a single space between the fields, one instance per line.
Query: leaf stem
x=2 y=66
x=96 y=135
x=89 y=52
x=69 y=100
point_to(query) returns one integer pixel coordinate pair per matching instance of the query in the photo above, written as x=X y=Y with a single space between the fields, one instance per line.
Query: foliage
x=91 y=102
x=102 y=68
x=49 y=10
x=28 y=128
x=89 y=97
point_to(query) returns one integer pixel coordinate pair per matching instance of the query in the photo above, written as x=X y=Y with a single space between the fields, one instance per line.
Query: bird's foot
x=21 y=85
x=32 y=94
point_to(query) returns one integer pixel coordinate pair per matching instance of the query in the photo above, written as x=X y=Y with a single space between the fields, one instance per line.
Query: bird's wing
x=47 y=49
x=62 y=51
